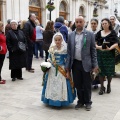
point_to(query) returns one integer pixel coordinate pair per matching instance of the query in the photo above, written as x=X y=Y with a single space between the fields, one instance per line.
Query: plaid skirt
x=106 y=62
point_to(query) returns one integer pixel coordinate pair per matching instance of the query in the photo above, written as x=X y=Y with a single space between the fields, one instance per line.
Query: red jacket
x=3 y=44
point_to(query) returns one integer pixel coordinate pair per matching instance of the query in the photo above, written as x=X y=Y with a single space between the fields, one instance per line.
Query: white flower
x=46 y=64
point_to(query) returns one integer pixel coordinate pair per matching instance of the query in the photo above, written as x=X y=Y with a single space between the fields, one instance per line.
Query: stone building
x=69 y=9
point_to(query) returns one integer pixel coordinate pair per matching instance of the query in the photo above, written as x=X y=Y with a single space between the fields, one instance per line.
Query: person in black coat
x=47 y=37
x=30 y=33
x=17 y=58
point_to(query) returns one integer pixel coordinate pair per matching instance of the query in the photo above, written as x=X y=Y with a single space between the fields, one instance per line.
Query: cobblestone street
x=20 y=100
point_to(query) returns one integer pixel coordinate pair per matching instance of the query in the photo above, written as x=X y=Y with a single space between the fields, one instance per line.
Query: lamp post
x=116 y=12
x=95 y=14
x=50 y=7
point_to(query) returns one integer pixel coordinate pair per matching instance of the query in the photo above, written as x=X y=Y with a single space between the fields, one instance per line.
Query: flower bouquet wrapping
x=45 y=66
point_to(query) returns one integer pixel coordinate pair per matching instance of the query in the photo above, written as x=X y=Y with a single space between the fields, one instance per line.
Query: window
x=62 y=7
x=34 y=3
x=81 y=11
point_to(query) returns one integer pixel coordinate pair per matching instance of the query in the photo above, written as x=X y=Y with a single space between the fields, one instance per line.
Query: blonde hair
x=1 y=23
x=22 y=24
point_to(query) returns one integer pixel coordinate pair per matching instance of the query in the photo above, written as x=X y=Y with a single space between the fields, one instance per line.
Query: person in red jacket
x=3 y=50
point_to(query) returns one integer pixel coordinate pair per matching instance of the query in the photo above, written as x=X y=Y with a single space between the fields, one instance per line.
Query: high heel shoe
x=108 y=89
x=102 y=90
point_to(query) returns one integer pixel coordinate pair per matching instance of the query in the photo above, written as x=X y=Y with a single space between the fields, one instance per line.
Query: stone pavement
x=20 y=100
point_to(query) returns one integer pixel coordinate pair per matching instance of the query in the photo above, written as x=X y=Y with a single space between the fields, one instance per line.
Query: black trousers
x=82 y=82
x=29 y=56
x=16 y=73
x=46 y=55
x=2 y=57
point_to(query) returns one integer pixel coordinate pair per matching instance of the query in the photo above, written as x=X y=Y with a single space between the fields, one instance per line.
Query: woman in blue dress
x=57 y=90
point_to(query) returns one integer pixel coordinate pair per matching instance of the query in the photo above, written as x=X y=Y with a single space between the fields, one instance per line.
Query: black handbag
x=21 y=45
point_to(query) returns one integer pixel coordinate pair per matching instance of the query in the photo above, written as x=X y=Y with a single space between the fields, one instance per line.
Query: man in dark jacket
x=30 y=32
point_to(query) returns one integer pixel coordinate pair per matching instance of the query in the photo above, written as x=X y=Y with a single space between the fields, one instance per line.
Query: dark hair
x=73 y=27
x=30 y=15
x=93 y=19
x=69 y=22
x=60 y=19
x=106 y=19
x=8 y=21
x=49 y=26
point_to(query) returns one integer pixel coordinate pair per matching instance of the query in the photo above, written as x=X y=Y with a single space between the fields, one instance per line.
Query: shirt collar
x=80 y=32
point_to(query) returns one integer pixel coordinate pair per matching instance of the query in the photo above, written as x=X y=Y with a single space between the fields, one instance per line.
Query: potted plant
x=50 y=7
x=95 y=15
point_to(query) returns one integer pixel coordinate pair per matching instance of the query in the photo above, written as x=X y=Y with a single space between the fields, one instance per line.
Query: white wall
x=19 y=10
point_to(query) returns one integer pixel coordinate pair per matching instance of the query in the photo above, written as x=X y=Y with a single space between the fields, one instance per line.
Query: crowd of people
x=74 y=51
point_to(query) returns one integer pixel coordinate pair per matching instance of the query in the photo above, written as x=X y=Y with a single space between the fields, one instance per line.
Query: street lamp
x=95 y=14
x=50 y=7
x=115 y=12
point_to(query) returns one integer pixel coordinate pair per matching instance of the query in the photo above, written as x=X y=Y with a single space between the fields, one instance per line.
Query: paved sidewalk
x=20 y=100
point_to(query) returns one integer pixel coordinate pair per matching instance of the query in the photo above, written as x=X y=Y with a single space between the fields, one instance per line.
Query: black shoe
x=96 y=86
x=102 y=90
x=13 y=79
x=79 y=105
x=108 y=89
x=20 y=78
x=88 y=107
x=31 y=71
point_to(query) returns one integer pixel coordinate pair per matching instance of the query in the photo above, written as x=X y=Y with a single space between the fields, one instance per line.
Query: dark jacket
x=28 y=31
x=47 y=39
x=59 y=27
x=17 y=59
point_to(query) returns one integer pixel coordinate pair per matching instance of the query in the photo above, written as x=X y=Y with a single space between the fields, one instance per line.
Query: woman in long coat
x=17 y=58
x=47 y=37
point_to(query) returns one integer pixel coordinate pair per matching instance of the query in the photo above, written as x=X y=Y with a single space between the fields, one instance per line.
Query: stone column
x=3 y=11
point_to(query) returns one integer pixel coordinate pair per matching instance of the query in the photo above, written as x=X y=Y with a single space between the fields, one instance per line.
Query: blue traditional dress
x=57 y=90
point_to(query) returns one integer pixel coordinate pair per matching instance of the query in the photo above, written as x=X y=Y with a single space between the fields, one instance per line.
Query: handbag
x=21 y=45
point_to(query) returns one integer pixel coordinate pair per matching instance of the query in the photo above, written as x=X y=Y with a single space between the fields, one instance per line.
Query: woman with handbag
x=16 y=44
x=3 y=50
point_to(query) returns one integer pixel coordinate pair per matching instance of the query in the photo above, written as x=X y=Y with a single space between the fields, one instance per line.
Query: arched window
x=81 y=10
x=34 y=7
x=63 y=10
x=34 y=3
x=62 y=7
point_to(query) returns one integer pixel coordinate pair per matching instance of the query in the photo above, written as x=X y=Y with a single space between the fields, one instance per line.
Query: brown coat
x=47 y=39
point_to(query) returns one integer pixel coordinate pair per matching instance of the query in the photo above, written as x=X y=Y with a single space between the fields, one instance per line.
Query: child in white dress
x=57 y=90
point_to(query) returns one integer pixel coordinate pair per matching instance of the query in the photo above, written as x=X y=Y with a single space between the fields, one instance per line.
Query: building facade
x=69 y=9
x=114 y=7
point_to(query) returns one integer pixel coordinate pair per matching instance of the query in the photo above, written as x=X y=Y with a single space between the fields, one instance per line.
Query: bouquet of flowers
x=45 y=66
